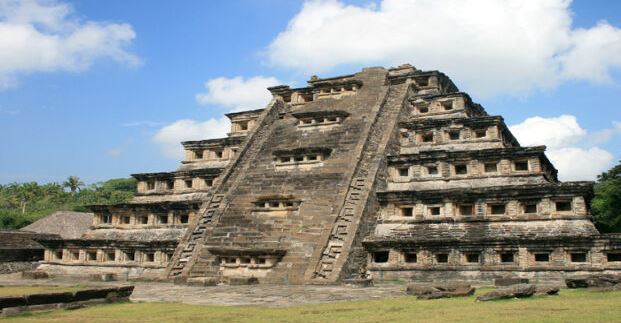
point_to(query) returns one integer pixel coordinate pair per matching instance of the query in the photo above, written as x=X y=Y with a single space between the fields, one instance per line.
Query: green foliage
x=73 y=183
x=606 y=205
x=24 y=203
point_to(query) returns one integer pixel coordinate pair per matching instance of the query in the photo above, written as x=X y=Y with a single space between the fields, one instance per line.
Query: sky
x=104 y=89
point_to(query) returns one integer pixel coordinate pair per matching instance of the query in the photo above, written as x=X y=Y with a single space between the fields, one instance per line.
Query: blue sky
x=109 y=102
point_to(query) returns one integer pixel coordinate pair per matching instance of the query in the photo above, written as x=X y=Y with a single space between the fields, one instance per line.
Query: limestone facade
x=386 y=173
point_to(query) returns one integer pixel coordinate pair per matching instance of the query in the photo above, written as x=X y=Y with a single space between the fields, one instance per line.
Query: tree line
x=24 y=203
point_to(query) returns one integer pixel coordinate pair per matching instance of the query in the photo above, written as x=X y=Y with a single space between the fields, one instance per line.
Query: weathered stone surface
x=509 y=281
x=83 y=295
x=593 y=281
x=103 y=277
x=17 y=266
x=242 y=280
x=71 y=300
x=444 y=290
x=202 y=281
x=34 y=274
x=457 y=292
x=417 y=289
x=388 y=162
x=12 y=301
x=359 y=282
x=548 y=290
x=451 y=286
x=49 y=298
x=516 y=291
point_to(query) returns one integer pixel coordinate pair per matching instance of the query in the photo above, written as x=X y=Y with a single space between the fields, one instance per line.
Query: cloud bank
x=45 y=36
x=571 y=149
x=493 y=47
x=171 y=136
x=238 y=93
x=234 y=94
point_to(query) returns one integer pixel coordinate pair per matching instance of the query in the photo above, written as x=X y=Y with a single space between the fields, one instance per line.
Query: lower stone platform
x=484 y=277
x=87 y=272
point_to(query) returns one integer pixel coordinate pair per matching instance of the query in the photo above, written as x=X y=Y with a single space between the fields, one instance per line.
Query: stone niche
x=336 y=91
x=318 y=89
x=276 y=205
x=243 y=122
x=319 y=119
x=301 y=158
x=246 y=262
x=453 y=105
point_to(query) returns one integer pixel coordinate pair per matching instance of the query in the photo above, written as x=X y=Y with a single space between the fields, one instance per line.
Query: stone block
x=34 y=274
x=501 y=282
x=451 y=286
x=593 y=281
x=202 y=281
x=12 y=301
x=516 y=291
x=548 y=290
x=243 y=281
x=87 y=294
x=49 y=298
x=125 y=291
x=457 y=292
x=417 y=289
x=359 y=282
x=103 y=277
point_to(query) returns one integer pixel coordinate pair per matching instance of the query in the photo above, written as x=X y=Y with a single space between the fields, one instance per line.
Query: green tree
x=73 y=183
x=24 y=203
x=26 y=193
x=606 y=204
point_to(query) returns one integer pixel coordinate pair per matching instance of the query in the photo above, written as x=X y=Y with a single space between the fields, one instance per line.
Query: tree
x=73 y=183
x=606 y=204
x=26 y=192
x=24 y=203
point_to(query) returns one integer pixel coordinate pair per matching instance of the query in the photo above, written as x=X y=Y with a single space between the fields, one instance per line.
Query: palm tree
x=73 y=183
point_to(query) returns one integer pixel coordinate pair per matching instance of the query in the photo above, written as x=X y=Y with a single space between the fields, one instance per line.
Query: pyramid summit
x=386 y=174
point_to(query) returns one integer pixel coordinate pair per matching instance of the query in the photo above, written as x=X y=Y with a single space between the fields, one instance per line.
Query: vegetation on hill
x=607 y=202
x=24 y=203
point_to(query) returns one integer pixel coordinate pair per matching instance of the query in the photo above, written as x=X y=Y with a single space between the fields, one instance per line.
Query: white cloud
x=553 y=132
x=571 y=148
x=44 y=36
x=235 y=94
x=575 y=163
x=490 y=46
x=238 y=93
x=605 y=135
x=171 y=136
x=594 y=52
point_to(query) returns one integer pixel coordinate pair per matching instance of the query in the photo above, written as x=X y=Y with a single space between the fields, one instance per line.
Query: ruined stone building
x=388 y=173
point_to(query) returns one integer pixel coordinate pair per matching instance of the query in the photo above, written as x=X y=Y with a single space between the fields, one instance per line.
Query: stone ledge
x=12 y=305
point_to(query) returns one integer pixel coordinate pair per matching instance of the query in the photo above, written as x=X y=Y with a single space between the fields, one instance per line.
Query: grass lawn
x=26 y=290
x=570 y=306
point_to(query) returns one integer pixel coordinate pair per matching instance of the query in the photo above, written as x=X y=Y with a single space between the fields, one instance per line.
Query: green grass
x=570 y=306
x=27 y=290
